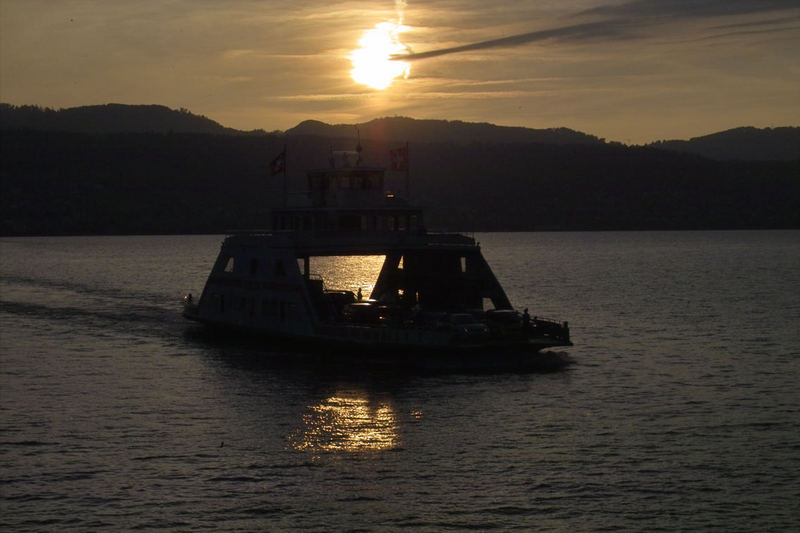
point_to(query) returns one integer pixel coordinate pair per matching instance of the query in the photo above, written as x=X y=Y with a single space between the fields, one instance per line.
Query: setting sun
x=372 y=65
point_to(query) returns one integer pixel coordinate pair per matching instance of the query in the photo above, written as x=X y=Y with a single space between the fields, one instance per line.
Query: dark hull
x=488 y=356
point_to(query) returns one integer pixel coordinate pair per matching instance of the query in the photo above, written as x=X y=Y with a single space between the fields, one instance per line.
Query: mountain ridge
x=64 y=183
x=402 y=129
x=743 y=143
x=111 y=118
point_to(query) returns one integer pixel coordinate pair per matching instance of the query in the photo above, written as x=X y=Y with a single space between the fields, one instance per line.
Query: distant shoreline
x=60 y=183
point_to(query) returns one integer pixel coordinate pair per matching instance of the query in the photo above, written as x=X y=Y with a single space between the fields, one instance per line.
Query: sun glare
x=371 y=64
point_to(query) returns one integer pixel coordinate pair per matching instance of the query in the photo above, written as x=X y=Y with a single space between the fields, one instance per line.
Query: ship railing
x=376 y=238
x=346 y=237
x=450 y=238
x=550 y=328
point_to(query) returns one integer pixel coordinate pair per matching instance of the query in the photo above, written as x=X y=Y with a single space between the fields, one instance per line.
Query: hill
x=119 y=118
x=149 y=169
x=744 y=144
x=76 y=183
x=402 y=129
x=109 y=118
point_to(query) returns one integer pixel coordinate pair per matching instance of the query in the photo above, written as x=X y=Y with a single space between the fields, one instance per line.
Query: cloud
x=622 y=21
x=783 y=22
x=690 y=8
x=588 y=30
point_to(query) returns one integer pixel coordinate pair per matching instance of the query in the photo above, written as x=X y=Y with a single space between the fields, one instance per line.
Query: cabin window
x=229 y=265
x=400 y=263
x=463 y=264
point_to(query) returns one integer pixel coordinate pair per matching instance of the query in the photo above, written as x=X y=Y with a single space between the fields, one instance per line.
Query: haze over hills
x=187 y=174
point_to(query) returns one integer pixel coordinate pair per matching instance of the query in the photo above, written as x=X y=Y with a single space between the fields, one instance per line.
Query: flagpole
x=285 y=185
x=408 y=179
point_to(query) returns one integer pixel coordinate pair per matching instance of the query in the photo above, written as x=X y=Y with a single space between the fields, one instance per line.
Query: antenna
x=358 y=147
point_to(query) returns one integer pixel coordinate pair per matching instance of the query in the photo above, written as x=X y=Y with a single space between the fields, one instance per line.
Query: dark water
x=682 y=411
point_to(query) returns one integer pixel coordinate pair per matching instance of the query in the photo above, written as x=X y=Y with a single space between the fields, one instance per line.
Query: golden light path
x=372 y=65
x=346 y=423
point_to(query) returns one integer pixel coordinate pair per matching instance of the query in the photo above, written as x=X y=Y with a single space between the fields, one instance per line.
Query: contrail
x=590 y=29
x=623 y=16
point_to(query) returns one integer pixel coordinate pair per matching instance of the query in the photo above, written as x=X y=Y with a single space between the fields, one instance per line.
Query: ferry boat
x=435 y=298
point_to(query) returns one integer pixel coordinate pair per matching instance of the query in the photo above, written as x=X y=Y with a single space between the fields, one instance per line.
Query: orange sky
x=632 y=71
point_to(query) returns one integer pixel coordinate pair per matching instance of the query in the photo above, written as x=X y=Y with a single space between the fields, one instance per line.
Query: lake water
x=681 y=411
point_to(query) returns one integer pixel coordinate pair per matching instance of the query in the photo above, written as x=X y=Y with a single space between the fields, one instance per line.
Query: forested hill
x=401 y=129
x=748 y=144
x=119 y=118
x=745 y=143
x=149 y=169
x=110 y=118
x=131 y=183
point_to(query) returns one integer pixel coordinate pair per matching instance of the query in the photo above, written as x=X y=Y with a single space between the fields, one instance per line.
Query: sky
x=633 y=71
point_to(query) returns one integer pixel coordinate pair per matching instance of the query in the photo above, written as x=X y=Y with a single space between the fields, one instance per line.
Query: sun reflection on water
x=345 y=423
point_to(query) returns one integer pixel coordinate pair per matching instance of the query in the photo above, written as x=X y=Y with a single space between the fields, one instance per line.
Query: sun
x=371 y=64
